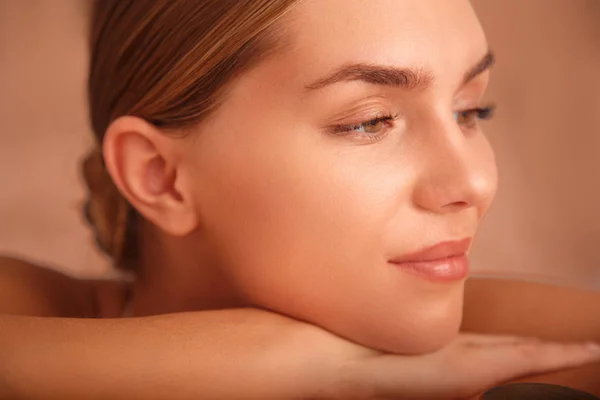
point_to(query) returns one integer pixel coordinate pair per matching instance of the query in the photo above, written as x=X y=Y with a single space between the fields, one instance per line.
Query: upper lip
x=437 y=252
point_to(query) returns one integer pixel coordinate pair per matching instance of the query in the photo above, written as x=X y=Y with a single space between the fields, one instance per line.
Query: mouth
x=443 y=262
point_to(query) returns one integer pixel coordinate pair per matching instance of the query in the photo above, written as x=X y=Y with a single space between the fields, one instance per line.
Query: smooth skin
x=265 y=266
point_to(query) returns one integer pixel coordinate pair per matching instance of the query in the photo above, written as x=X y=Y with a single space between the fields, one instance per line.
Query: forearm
x=218 y=355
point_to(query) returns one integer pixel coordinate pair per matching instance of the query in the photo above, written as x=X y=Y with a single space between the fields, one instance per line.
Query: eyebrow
x=483 y=65
x=406 y=78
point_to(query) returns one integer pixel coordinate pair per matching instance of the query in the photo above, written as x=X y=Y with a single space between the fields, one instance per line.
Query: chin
x=429 y=341
x=421 y=331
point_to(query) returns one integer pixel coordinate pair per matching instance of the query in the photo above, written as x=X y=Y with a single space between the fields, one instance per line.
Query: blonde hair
x=168 y=62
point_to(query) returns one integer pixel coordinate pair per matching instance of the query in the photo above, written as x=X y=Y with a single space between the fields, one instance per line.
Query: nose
x=458 y=172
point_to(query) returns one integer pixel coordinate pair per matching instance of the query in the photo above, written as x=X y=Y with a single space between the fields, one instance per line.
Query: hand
x=468 y=366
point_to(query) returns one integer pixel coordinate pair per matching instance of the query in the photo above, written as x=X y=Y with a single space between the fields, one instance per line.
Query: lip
x=443 y=262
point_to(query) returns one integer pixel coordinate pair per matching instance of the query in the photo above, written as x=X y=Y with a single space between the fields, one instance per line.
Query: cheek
x=299 y=226
x=295 y=214
x=298 y=212
x=489 y=176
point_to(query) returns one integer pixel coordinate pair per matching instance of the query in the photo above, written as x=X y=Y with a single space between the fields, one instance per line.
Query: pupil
x=372 y=126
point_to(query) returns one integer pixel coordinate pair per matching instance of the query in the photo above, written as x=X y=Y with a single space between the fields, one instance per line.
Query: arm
x=221 y=354
x=247 y=354
x=26 y=289
x=525 y=308
x=218 y=355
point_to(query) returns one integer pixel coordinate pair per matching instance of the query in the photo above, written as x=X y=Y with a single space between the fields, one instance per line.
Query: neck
x=179 y=274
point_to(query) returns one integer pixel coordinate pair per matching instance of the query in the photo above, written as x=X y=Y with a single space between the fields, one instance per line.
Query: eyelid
x=366 y=107
x=385 y=118
x=489 y=106
x=471 y=94
x=359 y=118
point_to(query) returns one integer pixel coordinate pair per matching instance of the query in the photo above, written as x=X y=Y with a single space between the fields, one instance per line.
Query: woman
x=296 y=184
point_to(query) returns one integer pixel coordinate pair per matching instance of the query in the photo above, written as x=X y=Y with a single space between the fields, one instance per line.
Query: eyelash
x=480 y=114
x=347 y=129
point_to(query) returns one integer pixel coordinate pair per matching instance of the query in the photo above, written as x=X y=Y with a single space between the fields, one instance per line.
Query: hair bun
x=105 y=209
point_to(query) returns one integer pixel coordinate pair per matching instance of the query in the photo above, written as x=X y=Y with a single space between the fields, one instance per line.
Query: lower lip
x=449 y=269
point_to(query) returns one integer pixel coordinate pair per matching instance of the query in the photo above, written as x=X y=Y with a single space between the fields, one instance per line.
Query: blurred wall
x=44 y=132
x=545 y=224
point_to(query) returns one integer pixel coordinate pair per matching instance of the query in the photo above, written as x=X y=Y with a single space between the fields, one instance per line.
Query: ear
x=143 y=164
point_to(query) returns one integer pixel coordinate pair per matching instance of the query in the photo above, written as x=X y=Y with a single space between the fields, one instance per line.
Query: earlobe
x=143 y=165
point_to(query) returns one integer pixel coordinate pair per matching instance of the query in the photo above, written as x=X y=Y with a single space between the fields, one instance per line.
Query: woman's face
x=310 y=187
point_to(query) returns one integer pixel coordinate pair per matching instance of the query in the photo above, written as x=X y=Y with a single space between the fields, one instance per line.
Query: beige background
x=545 y=224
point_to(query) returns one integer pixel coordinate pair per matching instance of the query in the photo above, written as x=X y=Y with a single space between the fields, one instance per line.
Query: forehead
x=443 y=36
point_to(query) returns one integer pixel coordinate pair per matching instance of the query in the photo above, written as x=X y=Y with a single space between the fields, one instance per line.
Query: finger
x=496 y=364
x=547 y=356
x=474 y=339
x=472 y=370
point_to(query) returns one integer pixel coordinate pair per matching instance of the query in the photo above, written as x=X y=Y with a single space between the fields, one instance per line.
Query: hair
x=168 y=62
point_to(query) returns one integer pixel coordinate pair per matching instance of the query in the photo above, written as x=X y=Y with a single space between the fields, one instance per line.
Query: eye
x=373 y=129
x=469 y=118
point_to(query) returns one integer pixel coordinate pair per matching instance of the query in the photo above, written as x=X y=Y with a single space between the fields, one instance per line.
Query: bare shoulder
x=527 y=308
x=28 y=289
